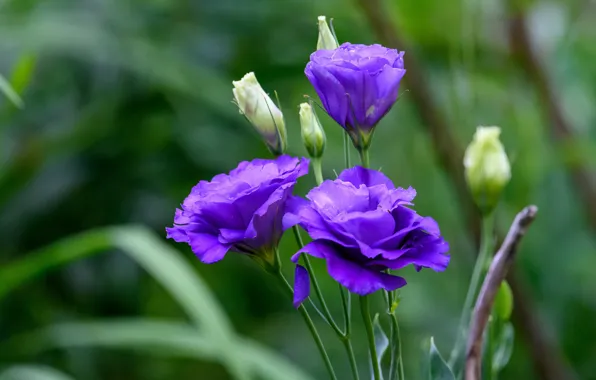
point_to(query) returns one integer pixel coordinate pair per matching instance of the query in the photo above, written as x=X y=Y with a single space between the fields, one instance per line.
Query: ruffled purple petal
x=359 y=279
x=359 y=176
x=207 y=247
x=266 y=225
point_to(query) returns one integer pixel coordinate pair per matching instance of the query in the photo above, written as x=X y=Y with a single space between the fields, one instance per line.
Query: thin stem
x=345 y=304
x=309 y=323
x=316 y=287
x=348 y=345
x=364 y=309
x=347 y=150
x=364 y=158
x=486 y=244
x=400 y=362
x=318 y=170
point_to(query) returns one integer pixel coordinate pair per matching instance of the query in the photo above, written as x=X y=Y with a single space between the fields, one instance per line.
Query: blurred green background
x=127 y=104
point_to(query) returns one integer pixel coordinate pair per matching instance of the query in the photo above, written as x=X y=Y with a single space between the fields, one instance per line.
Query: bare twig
x=496 y=274
x=545 y=355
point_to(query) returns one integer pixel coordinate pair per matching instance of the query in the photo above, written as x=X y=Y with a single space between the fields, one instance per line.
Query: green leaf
x=32 y=372
x=161 y=338
x=381 y=340
x=438 y=368
x=504 y=347
x=10 y=93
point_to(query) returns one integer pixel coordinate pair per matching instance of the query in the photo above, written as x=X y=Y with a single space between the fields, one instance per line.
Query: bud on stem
x=326 y=39
x=313 y=135
x=487 y=168
x=254 y=103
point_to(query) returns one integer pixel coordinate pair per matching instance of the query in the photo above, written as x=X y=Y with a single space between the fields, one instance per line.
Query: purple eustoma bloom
x=357 y=84
x=241 y=211
x=362 y=226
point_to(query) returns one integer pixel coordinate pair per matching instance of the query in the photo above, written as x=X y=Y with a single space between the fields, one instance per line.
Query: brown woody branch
x=546 y=358
x=496 y=274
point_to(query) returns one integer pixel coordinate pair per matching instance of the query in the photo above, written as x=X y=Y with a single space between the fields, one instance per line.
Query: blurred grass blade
x=32 y=372
x=58 y=253
x=168 y=339
x=164 y=263
x=141 y=244
x=439 y=370
x=10 y=93
x=22 y=73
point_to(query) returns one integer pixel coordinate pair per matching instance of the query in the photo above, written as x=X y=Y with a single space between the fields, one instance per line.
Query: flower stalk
x=364 y=309
x=285 y=285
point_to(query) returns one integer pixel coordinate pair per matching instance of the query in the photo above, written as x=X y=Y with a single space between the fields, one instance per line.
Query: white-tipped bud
x=326 y=39
x=261 y=111
x=487 y=167
x=313 y=135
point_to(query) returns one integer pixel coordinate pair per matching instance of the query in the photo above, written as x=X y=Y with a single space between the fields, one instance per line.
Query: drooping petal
x=301 y=285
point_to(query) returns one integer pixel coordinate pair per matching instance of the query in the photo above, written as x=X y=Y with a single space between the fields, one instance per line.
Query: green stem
x=348 y=345
x=364 y=309
x=318 y=170
x=399 y=366
x=364 y=158
x=347 y=149
x=486 y=246
x=315 y=285
x=309 y=323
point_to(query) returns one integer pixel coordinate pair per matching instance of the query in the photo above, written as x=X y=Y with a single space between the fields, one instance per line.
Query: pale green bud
x=313 y=135
x=503 y=305
x=263 y=114
x=326 y=40
x=487 y=167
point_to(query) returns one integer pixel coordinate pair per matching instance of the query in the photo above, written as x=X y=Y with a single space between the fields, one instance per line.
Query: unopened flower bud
x=326 y=39
x=503 y=305
x=313 y=135
x=263 y=114
x=487 y=167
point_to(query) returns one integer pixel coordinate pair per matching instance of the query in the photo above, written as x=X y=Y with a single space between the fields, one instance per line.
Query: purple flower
x=241 y=211
x=362 y=225
x=357 y=84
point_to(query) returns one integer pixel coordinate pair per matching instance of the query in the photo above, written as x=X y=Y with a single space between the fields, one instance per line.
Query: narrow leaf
x=438 y=368
x=504 y=346
x=381 y=340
